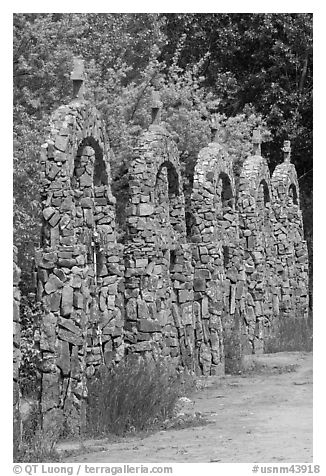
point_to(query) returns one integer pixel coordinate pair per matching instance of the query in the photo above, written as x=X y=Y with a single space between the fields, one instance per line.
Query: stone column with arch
x=292 y=254
x=158 y=277
x=79 y=265
x=256 y=222
x=218 y=271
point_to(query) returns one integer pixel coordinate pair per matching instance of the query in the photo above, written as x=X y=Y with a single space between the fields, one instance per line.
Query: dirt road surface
x=264 y=415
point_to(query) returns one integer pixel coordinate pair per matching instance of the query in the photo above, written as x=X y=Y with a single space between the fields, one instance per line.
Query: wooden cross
x=256 y=142
x=287 y=151
x=156 y=107
x=77 y=76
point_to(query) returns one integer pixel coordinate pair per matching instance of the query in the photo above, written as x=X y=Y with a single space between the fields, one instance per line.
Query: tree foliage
x=259 y=59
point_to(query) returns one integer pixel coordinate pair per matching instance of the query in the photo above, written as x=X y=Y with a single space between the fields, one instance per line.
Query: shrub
x=133 y=396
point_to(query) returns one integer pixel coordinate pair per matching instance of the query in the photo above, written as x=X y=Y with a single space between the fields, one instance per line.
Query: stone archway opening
x=167 y=206
x=227 y=198
x=96 y=168
x=90 y=182
x=293 y=195
x=224 y=198
x=263 y=202
x=225 y=218
x=263 y=196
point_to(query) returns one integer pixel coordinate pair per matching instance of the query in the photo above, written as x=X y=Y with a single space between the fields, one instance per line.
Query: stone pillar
x=158 y=277
x=217 y=260
x=256 y=219
x=291 y=252
x=80 y=265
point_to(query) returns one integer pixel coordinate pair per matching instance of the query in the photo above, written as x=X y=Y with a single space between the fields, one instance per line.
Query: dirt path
x=265 y=416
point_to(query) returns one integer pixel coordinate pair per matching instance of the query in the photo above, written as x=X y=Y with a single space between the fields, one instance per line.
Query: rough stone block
x=142 y=346
x=199 y=284
x=51 y=392
x=70 y=337
x=131 y=309
x=68 y=324
x=204 y=308
x=67 y=300
x=184 y=295
x=48 y=212
x=61 y=143
x=147 y=325
x=76 y=368
x=54 y=220
x=53 y=284
x=63 y=360
x=145 y=209
x=202 y=273
x=187 y=314
x=55 y=301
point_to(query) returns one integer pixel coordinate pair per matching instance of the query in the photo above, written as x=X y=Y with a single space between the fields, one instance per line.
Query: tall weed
x=133 y=396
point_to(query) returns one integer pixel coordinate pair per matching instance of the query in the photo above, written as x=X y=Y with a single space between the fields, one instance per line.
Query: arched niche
x=263 y=204
x=226 y=222
x=255 y=200
x=156 y=212
x=99 y=172
x=75 y=131
x=254 y=178
x=263 y=196
x=166 y=199
x=286 y=203
x=227 y=197
x=293 y=195
x=213 y=214
x=224 y=197
x=285 y=186
x=172 y=178
x=94 y=222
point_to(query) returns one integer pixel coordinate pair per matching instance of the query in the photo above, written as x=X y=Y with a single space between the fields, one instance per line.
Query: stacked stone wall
x=215 y=255
x=257 y=222
x=200 y=292
x=159 y=275
x=80 y=265
x=292 y=253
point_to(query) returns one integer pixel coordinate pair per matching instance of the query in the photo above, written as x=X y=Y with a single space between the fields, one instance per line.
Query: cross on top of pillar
x=256 y=142
x=78 y=77
x=156 y=107
x=286 y=151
